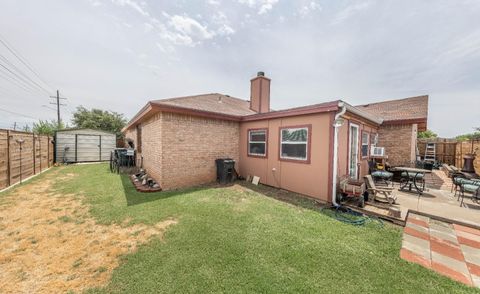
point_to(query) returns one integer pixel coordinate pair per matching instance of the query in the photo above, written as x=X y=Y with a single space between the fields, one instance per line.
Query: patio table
x=411 y=181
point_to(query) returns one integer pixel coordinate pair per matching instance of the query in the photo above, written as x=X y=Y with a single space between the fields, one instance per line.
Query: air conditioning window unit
x=377 y=151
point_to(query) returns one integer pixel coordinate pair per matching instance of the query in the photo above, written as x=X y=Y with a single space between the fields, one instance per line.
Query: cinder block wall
x=399 y=142
x=191 y=145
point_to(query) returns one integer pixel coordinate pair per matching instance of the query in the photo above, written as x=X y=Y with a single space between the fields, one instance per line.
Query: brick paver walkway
x=449 y=249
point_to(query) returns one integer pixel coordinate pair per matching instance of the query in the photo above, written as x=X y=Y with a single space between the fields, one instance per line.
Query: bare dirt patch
x=50 y=244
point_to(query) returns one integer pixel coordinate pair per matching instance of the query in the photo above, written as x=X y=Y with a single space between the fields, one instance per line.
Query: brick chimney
x=260 y=93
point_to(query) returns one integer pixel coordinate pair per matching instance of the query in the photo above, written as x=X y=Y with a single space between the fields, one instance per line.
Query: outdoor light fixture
x=20 y=142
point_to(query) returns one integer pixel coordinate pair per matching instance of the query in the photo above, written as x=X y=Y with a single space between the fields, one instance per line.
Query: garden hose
x=349 y=216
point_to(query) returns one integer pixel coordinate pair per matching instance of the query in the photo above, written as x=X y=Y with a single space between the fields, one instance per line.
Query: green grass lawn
x=230 y=240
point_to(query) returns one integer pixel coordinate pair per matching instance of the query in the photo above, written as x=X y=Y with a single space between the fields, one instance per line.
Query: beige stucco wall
x=306 y=178
x=344 y=147
x=190 y=146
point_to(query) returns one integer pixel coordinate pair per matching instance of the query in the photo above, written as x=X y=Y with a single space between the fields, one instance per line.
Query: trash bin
x=225 y=170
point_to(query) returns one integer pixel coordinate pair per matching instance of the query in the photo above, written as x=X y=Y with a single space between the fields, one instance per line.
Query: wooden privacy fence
x=445 y=149
x=35 y=155
x=451 y=151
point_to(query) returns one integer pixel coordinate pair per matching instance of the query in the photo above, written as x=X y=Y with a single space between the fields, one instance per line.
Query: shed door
x=88 y=147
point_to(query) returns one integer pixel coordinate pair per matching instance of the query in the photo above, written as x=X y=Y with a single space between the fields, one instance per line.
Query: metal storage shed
x=83 y=145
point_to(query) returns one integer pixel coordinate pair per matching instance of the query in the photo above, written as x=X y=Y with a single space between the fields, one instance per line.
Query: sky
x=118 y=54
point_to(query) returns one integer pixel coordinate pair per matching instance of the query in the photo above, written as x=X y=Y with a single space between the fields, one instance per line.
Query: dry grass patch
x=50 y=243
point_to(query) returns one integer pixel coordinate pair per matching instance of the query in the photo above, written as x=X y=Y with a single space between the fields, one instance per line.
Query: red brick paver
x=443 y=247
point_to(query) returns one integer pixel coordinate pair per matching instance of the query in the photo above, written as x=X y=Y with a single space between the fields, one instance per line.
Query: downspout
x=337 y=123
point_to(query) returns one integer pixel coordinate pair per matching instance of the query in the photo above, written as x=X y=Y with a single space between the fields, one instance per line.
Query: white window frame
x=257 y=142
x=350 y=137
x=294 y=143
x=368 y=145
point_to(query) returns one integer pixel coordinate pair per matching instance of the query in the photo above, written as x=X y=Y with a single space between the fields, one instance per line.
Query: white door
x=353 y=153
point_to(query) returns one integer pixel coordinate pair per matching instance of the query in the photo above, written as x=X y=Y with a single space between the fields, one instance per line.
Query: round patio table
x=411 y=181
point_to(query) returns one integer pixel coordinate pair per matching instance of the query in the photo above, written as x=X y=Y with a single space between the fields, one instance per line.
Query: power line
x=58 y=106
x=22 y=79
x=22 y=73
x=23 y=60
x=16 y=113
x=16 y=83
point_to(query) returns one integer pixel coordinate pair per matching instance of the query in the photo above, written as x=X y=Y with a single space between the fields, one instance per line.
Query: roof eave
x=363 y=114
x=145 y=109
x=153 y=107
x=327 y=107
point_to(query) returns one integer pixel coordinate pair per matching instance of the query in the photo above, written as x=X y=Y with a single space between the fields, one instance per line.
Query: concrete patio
x=436 y=200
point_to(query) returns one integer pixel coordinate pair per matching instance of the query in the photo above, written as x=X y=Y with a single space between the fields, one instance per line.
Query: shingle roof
x=214 y=102
x=413 y=108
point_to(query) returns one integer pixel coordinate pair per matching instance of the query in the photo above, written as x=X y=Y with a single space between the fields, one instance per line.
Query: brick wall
x=399 y=142
x=190 y=147
x=151 y=155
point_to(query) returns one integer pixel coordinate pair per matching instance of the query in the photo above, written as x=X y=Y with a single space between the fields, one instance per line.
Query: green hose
x=349 y=216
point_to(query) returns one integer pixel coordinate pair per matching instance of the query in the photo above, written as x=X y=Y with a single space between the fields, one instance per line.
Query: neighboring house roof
x=407 y=109
x=213 y=102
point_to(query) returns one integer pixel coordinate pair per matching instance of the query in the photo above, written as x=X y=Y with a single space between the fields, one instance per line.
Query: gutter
x=337 y=123
x=362 y=113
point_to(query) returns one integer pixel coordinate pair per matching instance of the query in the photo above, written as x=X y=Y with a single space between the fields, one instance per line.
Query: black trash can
x=225 y=170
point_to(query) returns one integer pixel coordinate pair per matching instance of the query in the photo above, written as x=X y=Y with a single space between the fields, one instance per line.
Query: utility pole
x=58 y=107
x=14 y=125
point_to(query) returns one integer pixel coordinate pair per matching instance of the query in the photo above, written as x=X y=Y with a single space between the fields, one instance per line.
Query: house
x=305 y=149
x=402 y=119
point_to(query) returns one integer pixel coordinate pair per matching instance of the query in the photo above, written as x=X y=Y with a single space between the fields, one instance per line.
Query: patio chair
x=457 y=180
x=470 y=186
x=379 y=175
x=383 y=194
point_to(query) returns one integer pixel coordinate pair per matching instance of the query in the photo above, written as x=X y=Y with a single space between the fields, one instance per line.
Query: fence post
x=8 y=158
x=34 y=151
x=40 y=150
x=48 y=151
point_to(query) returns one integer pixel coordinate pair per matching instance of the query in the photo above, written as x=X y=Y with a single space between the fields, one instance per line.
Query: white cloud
x=350 y=11
x=213 y=2
x=147 y=27
x=190 y=27
x=95 y=3
x=308 y=8
x=263 y=6
x=132 y=4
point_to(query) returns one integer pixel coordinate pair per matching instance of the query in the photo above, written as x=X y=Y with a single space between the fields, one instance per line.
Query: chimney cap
x=260 y=74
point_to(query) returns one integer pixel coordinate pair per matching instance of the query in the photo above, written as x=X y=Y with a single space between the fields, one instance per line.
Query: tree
x=428 y=134
x=99 y=119
x=45 y=127
x=470 y=136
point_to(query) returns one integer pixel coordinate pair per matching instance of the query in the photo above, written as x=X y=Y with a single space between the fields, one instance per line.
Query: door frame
x=350 y=126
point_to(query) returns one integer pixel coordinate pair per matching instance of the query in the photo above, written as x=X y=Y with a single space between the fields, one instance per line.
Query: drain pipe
x=337 y=123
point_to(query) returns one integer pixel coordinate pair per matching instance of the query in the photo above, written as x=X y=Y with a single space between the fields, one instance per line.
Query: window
x=139 y=139
x=373 y=140
x=294 y=143
x=365 y=142
x=257 y=142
